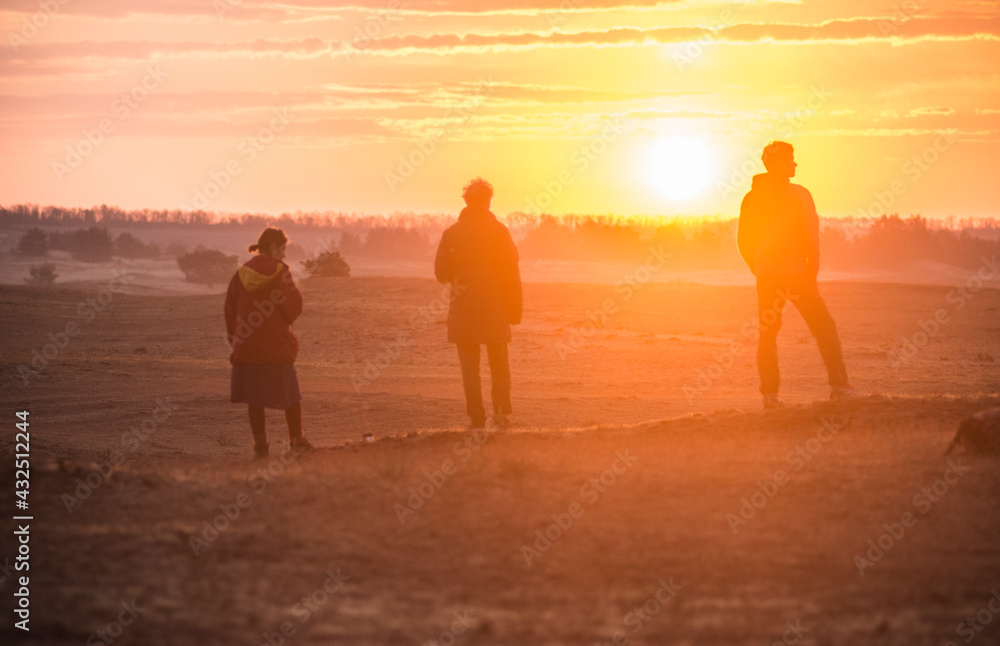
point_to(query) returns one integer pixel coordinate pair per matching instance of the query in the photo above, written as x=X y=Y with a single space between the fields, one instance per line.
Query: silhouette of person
x=778 y=238
x=478 y=258
x=262 y=302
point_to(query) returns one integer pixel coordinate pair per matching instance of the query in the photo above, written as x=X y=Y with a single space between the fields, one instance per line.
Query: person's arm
x=443 y=266
x=515 y=308
x=291 y=306
x=812 y=231
x=747 y=232
x=229 y=309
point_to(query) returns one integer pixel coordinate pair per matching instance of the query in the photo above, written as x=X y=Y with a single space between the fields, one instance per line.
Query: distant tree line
x=33 y=214
x=886 y=243
x=388 y=242
x=892 y=242
x=93 y=244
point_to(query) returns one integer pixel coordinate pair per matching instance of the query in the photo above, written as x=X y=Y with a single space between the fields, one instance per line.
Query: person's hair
x=268 y=237
x=774 y=151
x=478 y=191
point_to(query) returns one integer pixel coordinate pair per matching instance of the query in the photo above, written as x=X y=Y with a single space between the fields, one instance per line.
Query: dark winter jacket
x=478 y=258
x=779 y=229
x=262 y=302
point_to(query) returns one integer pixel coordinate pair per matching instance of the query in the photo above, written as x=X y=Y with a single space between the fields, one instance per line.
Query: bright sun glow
x=680 y=167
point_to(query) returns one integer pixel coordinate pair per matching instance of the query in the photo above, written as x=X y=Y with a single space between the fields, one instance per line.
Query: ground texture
x=642 y=497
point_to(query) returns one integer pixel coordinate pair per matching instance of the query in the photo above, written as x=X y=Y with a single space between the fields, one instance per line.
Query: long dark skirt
x=271 y=385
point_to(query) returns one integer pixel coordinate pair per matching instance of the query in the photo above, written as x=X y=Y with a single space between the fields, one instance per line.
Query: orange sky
x=236 y=105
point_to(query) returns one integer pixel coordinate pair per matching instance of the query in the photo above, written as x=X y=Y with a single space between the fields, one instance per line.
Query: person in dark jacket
x=262 y=302
x=778 y=238
x=478 y=258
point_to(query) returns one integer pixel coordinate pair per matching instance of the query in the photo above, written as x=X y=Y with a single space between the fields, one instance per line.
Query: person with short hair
x=778 y=237
x=262 y=302
x=477 y=256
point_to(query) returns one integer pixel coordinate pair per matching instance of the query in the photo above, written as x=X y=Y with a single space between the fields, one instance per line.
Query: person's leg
x=468 y=357
x=500 y=378
x=293 y=416
x=771 y=298
x=816 y=315
x=258 y=429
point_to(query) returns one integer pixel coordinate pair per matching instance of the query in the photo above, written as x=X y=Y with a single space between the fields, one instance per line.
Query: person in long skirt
x=262 y=302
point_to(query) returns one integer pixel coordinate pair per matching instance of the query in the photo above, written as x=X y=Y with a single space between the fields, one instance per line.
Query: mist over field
x=596 y=249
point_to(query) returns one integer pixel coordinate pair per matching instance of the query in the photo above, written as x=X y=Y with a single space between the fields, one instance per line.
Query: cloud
x=843 y=31
x=248 y=9
x=34 y=59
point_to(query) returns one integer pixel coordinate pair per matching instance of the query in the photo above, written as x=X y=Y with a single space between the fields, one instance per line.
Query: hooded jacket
x=262 y=302
x=778 y=231
x=477 y=256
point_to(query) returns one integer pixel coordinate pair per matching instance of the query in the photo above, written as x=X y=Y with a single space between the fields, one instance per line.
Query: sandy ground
x=676 y=511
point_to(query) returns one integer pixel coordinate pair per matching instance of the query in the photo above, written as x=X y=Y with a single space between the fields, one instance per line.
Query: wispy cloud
x=36 y=59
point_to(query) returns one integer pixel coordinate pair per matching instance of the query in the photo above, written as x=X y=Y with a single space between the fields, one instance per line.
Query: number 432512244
x=21 y=462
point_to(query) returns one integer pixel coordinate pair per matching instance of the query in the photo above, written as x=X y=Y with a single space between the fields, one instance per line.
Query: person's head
x=779 y=159
x=272 y=243
x=478 y=193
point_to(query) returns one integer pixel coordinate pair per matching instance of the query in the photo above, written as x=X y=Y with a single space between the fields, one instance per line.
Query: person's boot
x=772 y=402
x=840 y=393
x=301 y=444
x=296 y=440
x=261 y=451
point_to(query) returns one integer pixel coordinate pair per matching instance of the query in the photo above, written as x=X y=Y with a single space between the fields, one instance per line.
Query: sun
x=680 y=167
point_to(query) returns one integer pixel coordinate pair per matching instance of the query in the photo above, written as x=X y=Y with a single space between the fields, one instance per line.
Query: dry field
x=642 y=496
